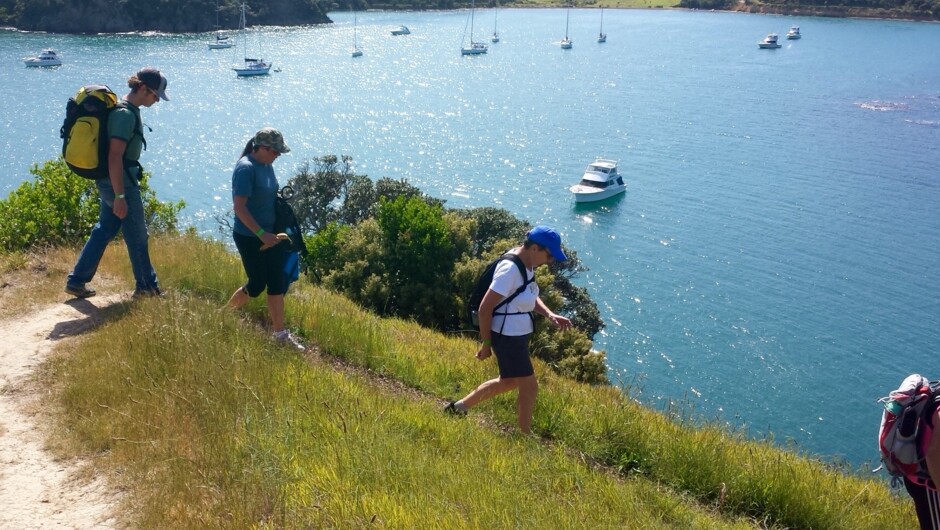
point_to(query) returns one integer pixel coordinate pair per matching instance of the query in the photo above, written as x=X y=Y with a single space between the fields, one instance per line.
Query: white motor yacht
x=794 y=33
x=769 y=42
x=48 y=57
x=401 y=30
x=601 y=180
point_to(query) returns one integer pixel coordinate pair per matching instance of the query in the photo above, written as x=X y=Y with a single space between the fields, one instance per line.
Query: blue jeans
x=134 y=227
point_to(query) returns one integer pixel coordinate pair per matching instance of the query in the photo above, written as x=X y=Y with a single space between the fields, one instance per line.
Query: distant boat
x=495 y=37
x=356 y=51
x=221 y=41
x=769 y=42
x=600 y=181
x=401 y=30
x=475 y=48
x=794 y=33
x=47 y=57
x=566 y=42
x=252 y=67
x=602 y=37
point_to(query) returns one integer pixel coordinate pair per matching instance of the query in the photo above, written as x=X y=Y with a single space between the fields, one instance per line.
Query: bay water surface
x=774 y=264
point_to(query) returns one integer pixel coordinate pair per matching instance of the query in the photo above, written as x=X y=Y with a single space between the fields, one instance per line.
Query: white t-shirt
x=506 y=280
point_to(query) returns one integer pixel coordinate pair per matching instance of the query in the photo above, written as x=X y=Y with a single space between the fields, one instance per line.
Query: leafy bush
x=412 y=258
x=59 y=208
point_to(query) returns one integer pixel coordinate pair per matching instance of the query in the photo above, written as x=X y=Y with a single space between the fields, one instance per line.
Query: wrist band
x=259 y=232
x=487 y=342
x=120 y=196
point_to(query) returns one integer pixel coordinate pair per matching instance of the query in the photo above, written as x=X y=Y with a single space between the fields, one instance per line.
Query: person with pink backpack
x=909 y=450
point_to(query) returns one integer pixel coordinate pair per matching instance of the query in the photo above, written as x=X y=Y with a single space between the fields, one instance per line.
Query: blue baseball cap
x=548 y=238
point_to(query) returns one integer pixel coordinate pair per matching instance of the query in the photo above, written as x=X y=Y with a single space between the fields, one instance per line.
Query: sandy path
x=37 y=491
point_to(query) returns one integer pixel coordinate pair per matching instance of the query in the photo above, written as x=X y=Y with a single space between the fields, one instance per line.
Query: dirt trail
x=36 y=490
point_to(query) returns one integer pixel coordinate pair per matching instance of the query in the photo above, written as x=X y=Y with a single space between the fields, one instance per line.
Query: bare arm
x=933 y=449
x=116 y=175
x=558 y=321
x=244 y=215
x=490 y=300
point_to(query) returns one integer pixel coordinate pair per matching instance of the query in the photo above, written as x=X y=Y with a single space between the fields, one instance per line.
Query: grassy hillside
x=206 y=423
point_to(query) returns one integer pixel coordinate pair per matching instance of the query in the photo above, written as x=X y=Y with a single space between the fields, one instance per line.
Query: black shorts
x=512 y=355
x=926 y=504
x=265 y=269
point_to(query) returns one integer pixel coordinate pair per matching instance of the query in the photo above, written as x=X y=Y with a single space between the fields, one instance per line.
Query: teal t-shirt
x=256 y=181
x=122 y=124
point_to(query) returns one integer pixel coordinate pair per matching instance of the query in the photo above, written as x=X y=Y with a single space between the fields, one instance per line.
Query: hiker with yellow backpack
x=102 y=140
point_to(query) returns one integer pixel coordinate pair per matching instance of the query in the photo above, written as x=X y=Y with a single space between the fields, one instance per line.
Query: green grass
x=208 y=424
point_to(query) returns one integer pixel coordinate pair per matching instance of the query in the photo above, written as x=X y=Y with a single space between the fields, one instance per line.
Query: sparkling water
x=773 y=264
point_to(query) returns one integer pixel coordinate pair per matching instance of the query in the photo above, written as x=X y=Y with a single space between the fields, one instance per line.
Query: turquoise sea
x=774 y=264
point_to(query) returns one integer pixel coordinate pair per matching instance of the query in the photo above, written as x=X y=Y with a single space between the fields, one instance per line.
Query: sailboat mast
x=471 y=22
x=567 y=14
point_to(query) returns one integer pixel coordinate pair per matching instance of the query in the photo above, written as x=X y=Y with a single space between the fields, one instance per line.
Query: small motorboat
x=401 y=30
x=601 y=180
x=48 y=57
x=769 y=42
x=794 y=33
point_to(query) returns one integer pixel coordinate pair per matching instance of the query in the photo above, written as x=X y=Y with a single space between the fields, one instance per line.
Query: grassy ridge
x=234 y=432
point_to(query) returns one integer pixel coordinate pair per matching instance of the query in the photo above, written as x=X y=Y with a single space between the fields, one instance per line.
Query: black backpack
x=285 y=221
x=483 y=285
x=84 y=132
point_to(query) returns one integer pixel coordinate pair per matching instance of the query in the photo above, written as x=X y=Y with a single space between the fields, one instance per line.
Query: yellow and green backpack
x=84 y=132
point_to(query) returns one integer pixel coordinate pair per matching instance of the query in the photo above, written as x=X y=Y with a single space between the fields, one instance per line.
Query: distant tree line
x=908 y=9
x=398 y=252
x=175 y=16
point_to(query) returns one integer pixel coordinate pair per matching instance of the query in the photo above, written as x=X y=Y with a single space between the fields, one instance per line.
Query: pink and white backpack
x=906 y=429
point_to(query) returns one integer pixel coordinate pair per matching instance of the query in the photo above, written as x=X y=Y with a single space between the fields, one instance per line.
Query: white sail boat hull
x=252 y=67
x=566 y=42
x=475 y=48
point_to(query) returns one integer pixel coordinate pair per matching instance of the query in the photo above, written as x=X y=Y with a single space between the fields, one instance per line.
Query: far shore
x=762 y=9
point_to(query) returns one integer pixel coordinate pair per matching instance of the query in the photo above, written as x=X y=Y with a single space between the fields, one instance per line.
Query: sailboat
x=566 y=42
x=356 y=51
x=495 y=37
x=221 y=41
x=475 y=48
x=602 y=37
x=252 y=66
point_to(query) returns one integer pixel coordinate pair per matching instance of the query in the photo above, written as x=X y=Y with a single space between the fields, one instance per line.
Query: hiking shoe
x=285 y=338
x=80 y=291
x=451 y=408
x=148 y=293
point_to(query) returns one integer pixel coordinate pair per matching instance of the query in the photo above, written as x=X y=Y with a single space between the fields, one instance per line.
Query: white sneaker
x=285 y=338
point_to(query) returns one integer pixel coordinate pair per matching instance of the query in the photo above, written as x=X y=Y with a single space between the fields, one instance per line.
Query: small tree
x=59 y=208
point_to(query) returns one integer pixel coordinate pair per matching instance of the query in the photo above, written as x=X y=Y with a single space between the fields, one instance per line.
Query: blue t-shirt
x=256 y=181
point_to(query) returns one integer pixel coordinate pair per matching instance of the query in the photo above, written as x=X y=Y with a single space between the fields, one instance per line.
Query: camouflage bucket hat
x=271 y=137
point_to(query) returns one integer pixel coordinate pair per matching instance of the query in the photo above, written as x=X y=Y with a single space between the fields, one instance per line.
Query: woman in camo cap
x=254 y=191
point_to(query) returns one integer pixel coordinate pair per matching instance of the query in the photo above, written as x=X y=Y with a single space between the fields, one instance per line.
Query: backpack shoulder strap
x=525 y=278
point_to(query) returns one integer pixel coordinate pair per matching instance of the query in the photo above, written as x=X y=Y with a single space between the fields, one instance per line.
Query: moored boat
x=47 y=57
x=769 y=42
x=794 y=33
x=601 y=180
x=251 y=67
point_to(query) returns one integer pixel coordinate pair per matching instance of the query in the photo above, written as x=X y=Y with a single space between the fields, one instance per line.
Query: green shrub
x=59 y=208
